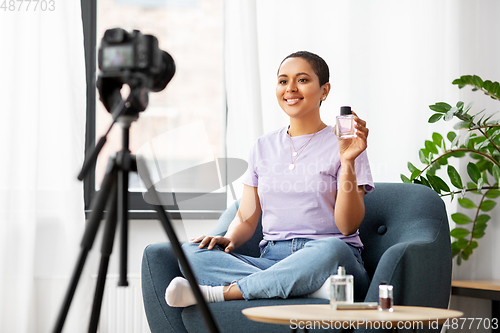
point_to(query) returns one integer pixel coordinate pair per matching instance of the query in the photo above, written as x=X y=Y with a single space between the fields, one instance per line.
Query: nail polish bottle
x=346 y=124
x=342 y=288
x=385 y=297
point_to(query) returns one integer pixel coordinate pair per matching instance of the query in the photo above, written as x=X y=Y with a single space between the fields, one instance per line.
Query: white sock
x=323 y=291
x=179 y=293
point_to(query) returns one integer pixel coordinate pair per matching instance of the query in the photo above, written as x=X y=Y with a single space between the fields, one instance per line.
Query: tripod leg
x=97 y=208
x=123 y=217
x=106 y=250
x=188 y=272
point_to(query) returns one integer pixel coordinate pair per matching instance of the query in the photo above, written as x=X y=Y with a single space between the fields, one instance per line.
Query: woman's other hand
x=224 y=242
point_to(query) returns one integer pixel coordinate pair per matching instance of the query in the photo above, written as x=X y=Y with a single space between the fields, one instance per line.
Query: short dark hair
x=317 y=63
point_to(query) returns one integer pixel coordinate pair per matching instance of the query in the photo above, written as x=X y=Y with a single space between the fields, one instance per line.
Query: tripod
x=112 y=197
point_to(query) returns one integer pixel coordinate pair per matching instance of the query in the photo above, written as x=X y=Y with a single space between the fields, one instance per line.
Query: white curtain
x=42 y=127
x=388 y=59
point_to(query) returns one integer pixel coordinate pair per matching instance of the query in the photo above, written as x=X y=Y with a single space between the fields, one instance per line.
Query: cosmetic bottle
x=346 y=124
x=385 y=297
x=342 y=288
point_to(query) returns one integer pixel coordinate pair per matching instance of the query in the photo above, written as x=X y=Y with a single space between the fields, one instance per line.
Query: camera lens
x=166 y=73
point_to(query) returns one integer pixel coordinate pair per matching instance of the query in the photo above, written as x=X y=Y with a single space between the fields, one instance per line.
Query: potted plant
x=478 y=137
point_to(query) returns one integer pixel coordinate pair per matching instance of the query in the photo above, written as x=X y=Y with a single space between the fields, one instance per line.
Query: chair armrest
x=419 y=271
x=159 y=267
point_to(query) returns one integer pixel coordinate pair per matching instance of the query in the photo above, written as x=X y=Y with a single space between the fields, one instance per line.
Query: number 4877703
x=471 y=323
x=27 y=5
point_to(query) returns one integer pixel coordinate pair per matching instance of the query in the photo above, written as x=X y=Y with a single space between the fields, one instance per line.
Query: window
x=183 y=125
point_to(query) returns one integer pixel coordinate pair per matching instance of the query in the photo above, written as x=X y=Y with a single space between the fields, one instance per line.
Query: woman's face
x=298 y=90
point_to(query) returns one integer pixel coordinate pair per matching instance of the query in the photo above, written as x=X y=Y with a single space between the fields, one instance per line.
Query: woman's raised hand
x=224 y=242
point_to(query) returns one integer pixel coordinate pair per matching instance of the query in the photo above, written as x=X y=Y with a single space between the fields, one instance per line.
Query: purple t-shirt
x=300 y=203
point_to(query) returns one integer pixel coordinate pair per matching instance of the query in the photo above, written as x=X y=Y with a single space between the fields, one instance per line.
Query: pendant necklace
x=295 y=153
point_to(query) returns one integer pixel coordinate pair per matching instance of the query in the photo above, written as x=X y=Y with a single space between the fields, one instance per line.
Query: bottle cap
x=340 y=270
x=345 y=110
x=385 y=291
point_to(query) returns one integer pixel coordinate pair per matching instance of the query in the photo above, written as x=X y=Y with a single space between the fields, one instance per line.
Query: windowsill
x=173 y=214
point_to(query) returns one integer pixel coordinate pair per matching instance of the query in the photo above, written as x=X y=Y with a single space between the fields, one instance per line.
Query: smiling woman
x=302 y=217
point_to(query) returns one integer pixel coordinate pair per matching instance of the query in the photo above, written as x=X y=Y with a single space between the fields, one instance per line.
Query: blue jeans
x=285 y=268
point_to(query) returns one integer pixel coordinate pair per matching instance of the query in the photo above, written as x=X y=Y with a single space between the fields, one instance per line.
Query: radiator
x=122 y=307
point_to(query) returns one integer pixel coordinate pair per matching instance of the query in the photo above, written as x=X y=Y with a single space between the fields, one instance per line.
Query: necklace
x=295 y=153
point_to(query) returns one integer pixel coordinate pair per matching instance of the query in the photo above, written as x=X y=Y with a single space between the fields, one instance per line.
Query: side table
x=323 y=316
x=485 y=289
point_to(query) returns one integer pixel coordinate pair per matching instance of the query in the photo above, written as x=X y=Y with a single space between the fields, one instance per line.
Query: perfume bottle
x=385 y=297
x=346 y=123
x=342 y=288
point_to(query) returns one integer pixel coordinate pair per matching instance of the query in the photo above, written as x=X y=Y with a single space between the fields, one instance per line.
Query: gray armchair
x=407 y=244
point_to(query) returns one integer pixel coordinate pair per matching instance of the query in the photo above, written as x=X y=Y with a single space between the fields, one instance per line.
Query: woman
x=309 y=186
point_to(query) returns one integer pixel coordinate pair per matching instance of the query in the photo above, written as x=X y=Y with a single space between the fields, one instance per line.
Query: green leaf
x=462 y=243
x=487 y=205
x=473 y=172
x=455 y=178
x=483 y=165
x=461 y=124
x=451 y=136
x=496 y=173
x=459 y=233
x=480 y=184
x=484 y=175
x=414 y=174
x=467 y=251
x=430 y=146
x=437 y=139
x=495 y=88
x=405 y=179
x=477 y=81
x=442 y=160
x=460 y=218
x=493 y=194
x=442 y=184
x=468 y=107
x=435 y=118
x=434 y=184
x=482 y=219
x=440 y=107
x=411 y=167
x=422 y=154
x=467 y=203
x=449 y=115
x=478 y=233
x=458 y=82
x=458 y=154
x=480 y=227
x=425 y=182
x=467 y=140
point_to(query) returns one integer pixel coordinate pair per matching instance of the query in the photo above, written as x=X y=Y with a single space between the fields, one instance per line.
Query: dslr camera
x=133 y=59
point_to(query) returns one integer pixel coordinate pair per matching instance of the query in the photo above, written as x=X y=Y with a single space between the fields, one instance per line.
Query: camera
x=131 y=58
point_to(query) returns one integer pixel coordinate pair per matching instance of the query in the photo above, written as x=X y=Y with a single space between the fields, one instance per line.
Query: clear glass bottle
x=345 y=123
x=342 y=288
